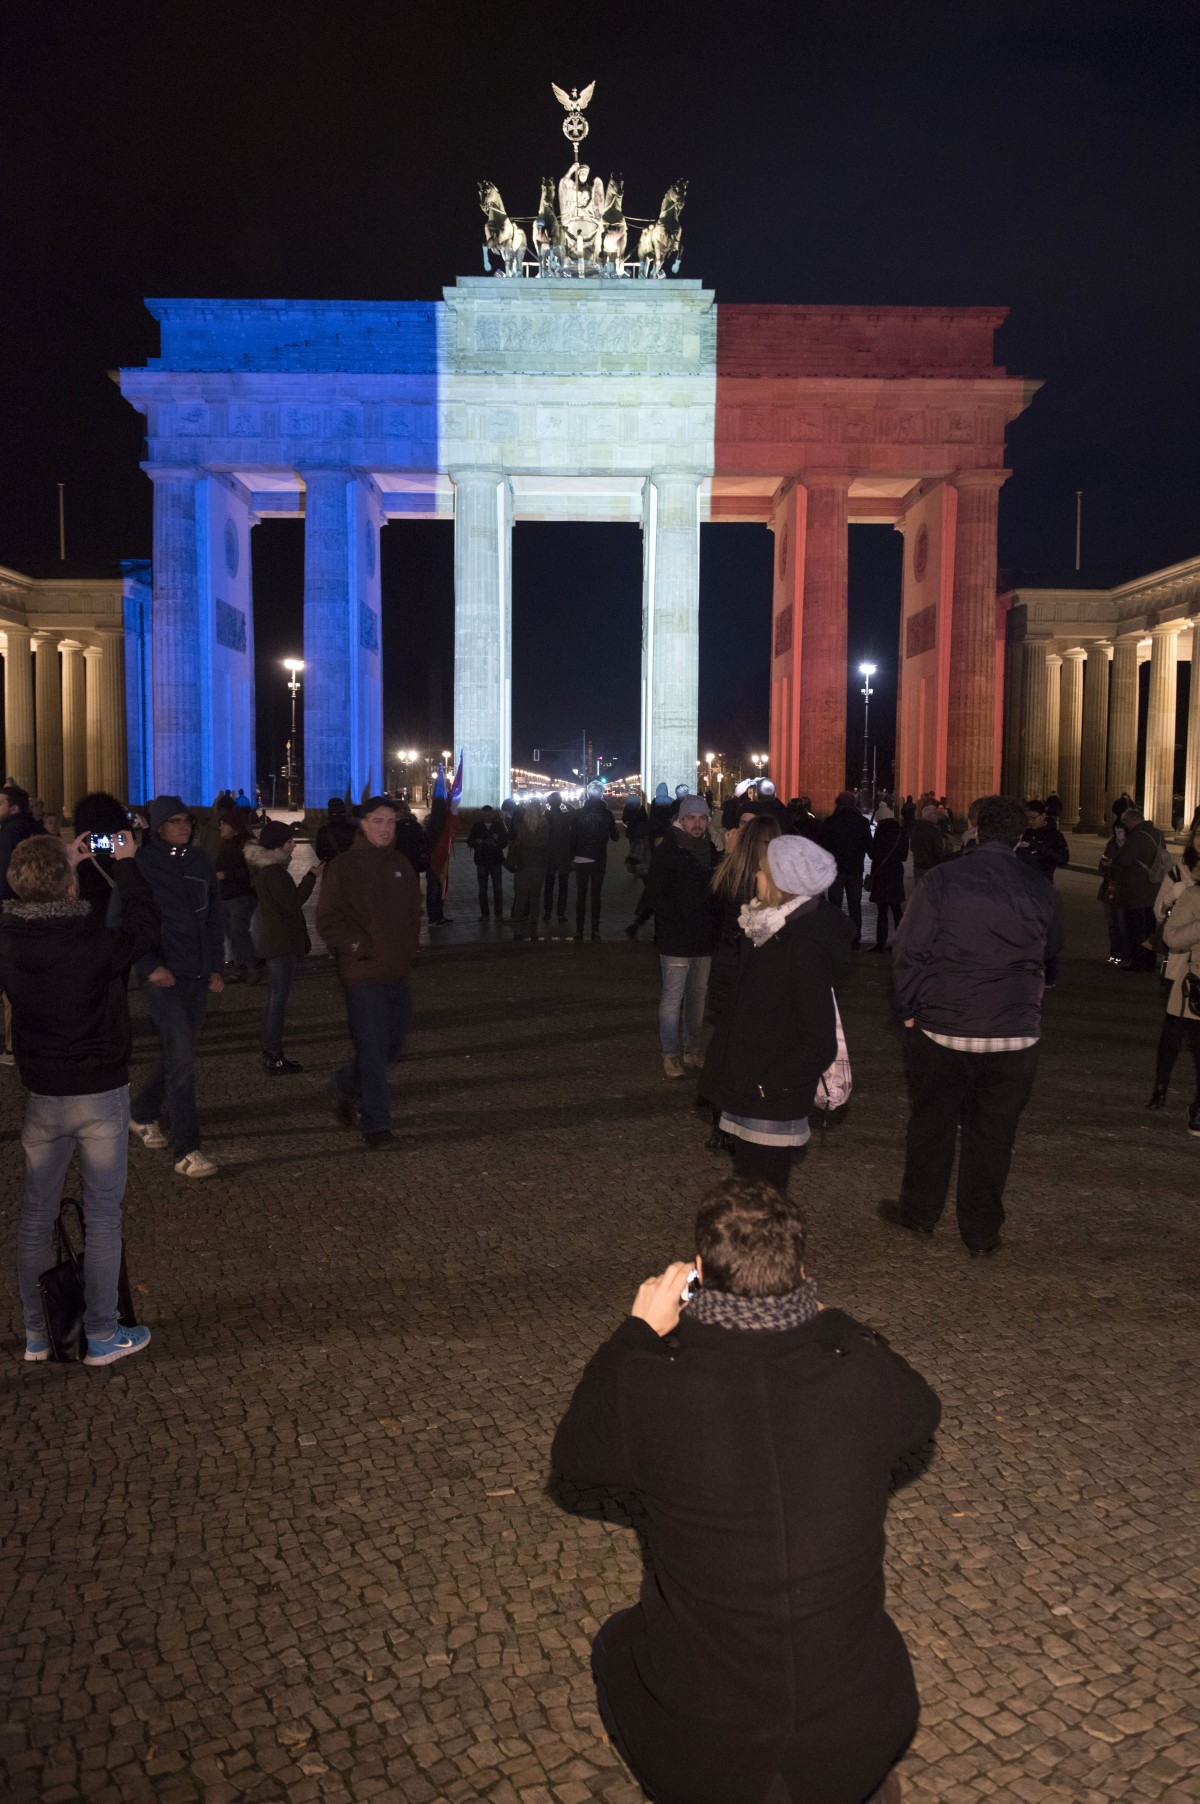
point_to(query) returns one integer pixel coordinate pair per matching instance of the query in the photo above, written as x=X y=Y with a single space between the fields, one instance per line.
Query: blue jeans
x=684 y=987
x=178 y=1014
x=236 y=915
x=54 y=1126
x=379 y=1016
x=280 y=972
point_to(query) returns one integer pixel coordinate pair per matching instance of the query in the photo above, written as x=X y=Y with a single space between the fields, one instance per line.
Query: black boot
x=275 y=1065
x=1158 y=1097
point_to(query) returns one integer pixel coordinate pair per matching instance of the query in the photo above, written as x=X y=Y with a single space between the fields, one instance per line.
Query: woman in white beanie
x=778 y=1034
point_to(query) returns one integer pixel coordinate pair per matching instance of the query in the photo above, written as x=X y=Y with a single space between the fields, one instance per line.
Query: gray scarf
x=720 y=1309
x=699 y=849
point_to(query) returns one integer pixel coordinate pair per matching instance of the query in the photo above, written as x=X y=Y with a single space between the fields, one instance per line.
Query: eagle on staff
x=575 y=102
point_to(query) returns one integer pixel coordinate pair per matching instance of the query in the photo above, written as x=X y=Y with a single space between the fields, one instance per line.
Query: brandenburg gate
x=575 y=387
x=594 y=399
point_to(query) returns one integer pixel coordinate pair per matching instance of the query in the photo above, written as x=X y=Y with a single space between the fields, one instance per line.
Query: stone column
x=1054 y=680
x=74 y=716
x=823 y=674
x=671 y=631
x=327 y=635
x=1034 y=762
x=19 y=758
x=483 y=634
x=1160 y=727
x=48 y=684
x=1123 y=719
x=1070 y=732
x=971 y=750
x=1191 y=782
x=1095 y=739
x=178 y=652
x=106 y=715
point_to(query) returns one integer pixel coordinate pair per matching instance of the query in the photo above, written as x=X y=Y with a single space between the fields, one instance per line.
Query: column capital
x=41 y=636
x=173 y=472
x=70 y=645
x=1075 y=652
x=824 y=479
x=978 y=479
x=1166 y=629
x=692 y=478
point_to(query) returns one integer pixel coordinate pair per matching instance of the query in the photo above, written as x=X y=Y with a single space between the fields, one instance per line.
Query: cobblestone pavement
x=304 y=1547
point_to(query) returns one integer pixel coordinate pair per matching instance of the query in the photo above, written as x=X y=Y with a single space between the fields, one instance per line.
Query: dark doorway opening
x=876 y=565
x=417 y=585
x=577 y=646
x=277 y=569
x=736 y=563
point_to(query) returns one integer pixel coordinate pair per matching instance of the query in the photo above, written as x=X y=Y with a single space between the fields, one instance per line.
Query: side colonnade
x=1074 y=710
x=64 y=687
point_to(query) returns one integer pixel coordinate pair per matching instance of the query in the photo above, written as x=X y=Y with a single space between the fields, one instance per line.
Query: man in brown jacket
x=369 y=911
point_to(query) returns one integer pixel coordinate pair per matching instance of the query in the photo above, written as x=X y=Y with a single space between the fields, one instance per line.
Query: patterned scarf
x=720 y=1309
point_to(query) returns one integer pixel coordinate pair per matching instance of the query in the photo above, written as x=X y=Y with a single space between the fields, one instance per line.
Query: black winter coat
x=191 y=939
x=679 y=890
x=64 y=972
x=761 y=1645
x=889 y=849
x=968 y=956
x=1045 y=849
x=592 y=829
x=337 y=835
x=847 y=835
x=778 y=1034
x=489 y=842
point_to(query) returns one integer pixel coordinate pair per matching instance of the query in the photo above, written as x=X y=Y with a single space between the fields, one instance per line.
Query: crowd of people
x=720 y=1386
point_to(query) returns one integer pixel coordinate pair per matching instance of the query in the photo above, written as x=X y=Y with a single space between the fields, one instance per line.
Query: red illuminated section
x=896 y=416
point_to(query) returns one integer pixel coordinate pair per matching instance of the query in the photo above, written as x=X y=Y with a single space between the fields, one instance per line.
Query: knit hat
x=766 y=787
x=692 y=805
x=276 y=834
x=845 y=799
x=800 y=866
x=163 y=807
x=883 y=813
x=374 y=802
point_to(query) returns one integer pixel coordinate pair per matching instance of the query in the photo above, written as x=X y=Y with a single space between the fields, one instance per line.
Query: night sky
x=1037 y=155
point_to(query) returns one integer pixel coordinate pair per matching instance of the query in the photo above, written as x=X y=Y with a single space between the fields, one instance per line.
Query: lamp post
x=759 y=761
x=866 y=671
x=293 y=666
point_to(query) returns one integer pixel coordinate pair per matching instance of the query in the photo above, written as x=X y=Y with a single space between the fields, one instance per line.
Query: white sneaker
x=150 y=1134
x=6 y=1058
x=673 y=1065
x=196 y=1165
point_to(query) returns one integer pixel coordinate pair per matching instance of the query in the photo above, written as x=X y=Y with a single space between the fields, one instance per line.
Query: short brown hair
x=39 y=869
x=751 y=1239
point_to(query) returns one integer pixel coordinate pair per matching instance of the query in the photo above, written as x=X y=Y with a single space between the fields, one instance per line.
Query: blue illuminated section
x=256 y=408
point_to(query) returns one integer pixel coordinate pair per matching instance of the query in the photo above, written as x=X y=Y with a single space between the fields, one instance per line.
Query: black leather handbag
x=62 y=1291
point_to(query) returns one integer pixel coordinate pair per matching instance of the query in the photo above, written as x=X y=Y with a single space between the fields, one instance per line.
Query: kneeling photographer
x=759 y=1430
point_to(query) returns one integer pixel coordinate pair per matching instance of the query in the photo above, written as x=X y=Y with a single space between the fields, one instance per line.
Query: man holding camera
x=759 y=1431
x=179 y=976
x=66 y=973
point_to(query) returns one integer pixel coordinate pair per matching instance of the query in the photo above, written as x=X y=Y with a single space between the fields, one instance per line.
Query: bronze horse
x=662 y=241
x=502 y=236
x=547 y=231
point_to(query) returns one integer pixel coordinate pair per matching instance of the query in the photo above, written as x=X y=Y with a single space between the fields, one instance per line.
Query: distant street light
x=867 y=671
x=759 y=761
x=294 y=666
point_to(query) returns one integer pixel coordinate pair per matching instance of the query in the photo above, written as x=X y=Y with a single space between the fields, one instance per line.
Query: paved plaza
x=306 y=1548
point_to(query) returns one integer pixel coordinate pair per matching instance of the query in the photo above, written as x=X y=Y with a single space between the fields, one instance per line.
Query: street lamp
x=293 y=666
x=866 y=671
x=759 y=761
